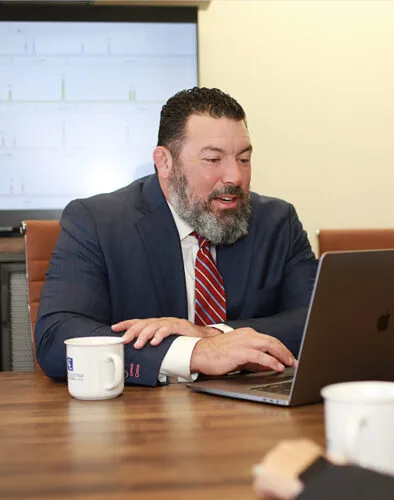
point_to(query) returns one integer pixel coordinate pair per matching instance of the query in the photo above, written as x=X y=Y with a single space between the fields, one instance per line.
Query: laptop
x=348 y=335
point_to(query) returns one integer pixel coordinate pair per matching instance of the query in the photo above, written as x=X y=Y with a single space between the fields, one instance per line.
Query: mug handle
x=118 y=376
x=353 y=429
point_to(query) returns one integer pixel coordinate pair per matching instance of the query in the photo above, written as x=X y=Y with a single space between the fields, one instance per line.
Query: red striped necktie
x=210 y=297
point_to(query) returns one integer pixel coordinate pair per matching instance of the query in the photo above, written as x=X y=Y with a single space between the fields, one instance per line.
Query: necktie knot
x=202 y=241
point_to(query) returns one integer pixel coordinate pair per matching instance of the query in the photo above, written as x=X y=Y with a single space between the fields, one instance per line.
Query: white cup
x=95 y=367
x=359 y=420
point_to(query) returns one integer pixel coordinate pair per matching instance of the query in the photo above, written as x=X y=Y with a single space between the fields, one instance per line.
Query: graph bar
x=63 y=97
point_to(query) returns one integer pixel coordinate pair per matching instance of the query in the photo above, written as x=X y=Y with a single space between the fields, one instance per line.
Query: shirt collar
x=184 y=229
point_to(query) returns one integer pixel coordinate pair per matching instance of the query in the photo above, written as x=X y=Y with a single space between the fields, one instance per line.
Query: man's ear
x=163 y=160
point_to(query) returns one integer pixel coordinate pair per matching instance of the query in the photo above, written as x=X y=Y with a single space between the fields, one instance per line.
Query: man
x=135 y=259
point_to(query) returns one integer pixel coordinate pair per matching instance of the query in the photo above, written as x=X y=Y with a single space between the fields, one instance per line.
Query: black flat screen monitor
x=81 y=90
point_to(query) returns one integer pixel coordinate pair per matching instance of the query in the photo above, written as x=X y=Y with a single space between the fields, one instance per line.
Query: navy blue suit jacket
x=118 y=256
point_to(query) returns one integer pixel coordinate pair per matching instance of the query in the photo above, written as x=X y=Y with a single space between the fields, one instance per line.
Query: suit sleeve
x=346 y=483
x=76 y=302
x=297 y=280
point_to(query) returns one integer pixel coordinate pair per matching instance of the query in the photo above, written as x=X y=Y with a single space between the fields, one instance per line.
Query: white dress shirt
x=176 y=362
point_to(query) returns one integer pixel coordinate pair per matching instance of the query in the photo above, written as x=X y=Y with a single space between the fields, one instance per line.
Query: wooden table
x=150 y=443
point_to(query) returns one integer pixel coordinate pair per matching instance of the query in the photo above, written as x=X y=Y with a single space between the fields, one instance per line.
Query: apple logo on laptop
x=383 y=321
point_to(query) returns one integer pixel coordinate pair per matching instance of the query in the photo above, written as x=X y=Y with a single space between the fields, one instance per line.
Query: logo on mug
x=70 y=364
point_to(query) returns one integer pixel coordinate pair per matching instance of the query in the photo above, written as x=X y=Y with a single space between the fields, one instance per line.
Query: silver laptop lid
x=349 y=332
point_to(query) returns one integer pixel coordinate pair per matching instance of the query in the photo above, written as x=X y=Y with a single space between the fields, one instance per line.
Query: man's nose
x=232 y=173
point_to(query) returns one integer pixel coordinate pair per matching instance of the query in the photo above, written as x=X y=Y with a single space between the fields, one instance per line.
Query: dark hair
x=196 y=101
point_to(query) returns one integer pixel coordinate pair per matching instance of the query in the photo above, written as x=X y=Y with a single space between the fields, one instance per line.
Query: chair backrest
x=354 y=239
x=40 y=239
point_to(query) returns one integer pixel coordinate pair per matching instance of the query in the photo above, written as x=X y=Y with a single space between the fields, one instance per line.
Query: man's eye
x=244 y=161
x=212 y=160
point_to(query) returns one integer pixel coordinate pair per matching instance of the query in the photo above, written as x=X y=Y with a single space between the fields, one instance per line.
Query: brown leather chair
x=354 y=239
x=40 y=239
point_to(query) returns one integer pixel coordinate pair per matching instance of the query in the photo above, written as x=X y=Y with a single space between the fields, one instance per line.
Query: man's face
x=209 y=181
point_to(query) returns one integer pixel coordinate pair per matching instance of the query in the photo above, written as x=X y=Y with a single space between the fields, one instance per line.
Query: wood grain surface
x=160 y=443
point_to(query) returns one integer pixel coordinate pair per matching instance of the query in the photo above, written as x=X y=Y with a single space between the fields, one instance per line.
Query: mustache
x=234 y=190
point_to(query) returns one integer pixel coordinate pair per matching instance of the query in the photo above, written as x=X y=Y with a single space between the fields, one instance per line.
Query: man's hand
x=277 y=476
x=241 y=348
x=156 y=329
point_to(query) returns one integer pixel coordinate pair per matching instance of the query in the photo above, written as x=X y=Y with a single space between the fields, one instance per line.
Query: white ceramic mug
x=95 y=367
x=359 y=420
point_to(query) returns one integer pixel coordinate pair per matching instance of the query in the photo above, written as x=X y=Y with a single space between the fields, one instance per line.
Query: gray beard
x=223 y=230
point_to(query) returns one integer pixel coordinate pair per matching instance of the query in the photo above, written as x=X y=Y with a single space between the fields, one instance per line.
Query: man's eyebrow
x=248 y=149
x=211 y=149
x=214 y=149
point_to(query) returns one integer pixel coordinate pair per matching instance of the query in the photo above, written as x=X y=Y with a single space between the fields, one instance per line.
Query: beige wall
x=316 y=79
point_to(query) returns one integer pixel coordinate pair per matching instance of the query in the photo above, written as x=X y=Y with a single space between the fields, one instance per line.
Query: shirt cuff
x=222 y=327
x=176 y=362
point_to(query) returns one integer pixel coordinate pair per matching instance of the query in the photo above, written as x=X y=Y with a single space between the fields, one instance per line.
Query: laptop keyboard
x=281 y=387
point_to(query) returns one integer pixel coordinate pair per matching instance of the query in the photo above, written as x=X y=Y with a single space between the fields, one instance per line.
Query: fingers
x=263 y=360
x=275 y=348
x=160 y=335
x=142 y=330
x=250 y=367
x=124 y=325
x=270 y=486
x=154 y=329
x=280 y=352
x=244 y=347
x=156 y=332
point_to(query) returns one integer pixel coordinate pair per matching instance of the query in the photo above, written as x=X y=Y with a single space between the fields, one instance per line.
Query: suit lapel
x=162 y=245
x=161 y=241
x=234 y=263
